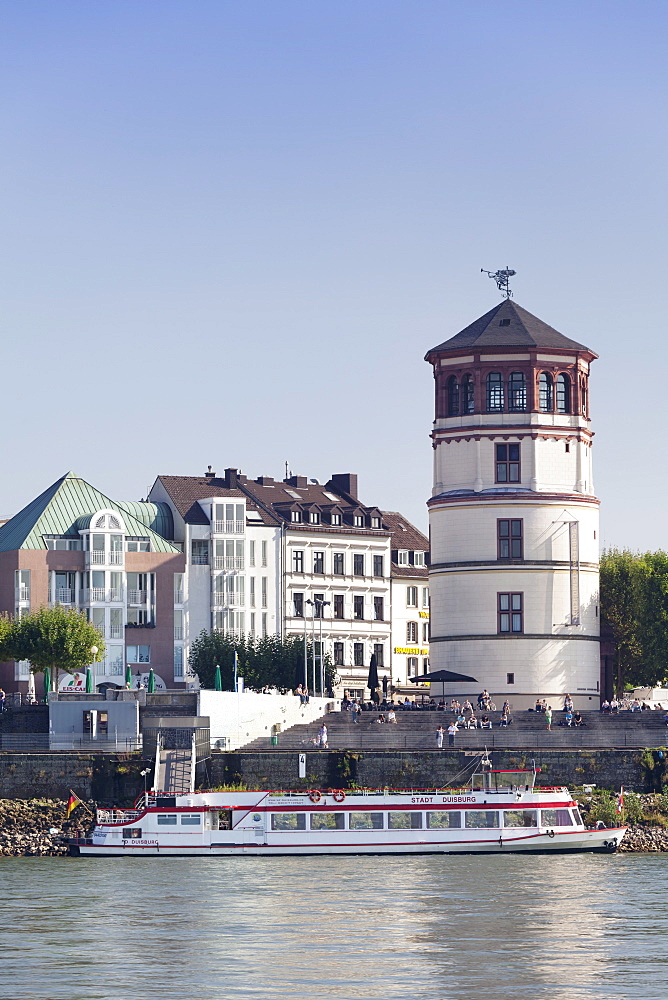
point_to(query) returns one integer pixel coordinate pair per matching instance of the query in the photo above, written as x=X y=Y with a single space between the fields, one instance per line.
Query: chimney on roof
x=265 y=480
x=299 y=481
x=210 y=474
x=230 y=479
x=345 y=482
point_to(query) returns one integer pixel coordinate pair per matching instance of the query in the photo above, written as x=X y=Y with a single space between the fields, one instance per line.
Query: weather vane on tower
x=501 y=278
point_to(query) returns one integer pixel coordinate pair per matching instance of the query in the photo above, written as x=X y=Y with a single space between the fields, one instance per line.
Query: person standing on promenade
x=452 y=732
x=440 y=732
x=548 y=717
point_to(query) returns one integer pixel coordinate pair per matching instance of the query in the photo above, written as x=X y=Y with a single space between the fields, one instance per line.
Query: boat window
x=288 y=821
x=224 y=819
x=190 y=820
x=556 y=817
x=167 y=820
x=327 y=821
x=477 y=819
x=577 y=818
x=520 y=817
x=365 y=821
x=445 y=819
x=404 y=820
x=132 y=833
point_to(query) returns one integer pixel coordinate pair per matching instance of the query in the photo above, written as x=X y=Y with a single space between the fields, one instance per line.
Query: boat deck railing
x=117 y=815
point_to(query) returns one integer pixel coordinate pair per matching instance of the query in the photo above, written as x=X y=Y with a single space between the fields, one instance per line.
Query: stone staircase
x=416 y=730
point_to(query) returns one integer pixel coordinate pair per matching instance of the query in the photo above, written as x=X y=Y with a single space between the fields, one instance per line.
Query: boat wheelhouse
x=499 y=811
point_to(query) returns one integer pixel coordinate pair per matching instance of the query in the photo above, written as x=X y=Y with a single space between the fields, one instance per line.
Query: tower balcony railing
x=64 y=595
x=116 y=632
x=223 y=599
x=228 y=527
x=178 y=597
x=95 y=595
x=97 y=557
x=115 y=594
x=22 y=593
x=116 y=557
x=228 y=562
x=178 y=631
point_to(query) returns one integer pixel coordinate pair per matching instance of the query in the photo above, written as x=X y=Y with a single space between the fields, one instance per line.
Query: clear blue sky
x=230 y=232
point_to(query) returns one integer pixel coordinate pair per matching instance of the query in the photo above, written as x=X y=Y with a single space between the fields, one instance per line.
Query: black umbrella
x=445 y=676
x=384 y=685
x=372 y=679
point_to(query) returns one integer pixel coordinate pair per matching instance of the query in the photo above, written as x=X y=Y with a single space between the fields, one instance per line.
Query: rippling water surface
x=563 y=927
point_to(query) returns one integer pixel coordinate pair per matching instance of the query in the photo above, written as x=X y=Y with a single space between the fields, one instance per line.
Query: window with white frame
x=264 y=623
x=336 y=520
x=412 y=666
x=297 y=561
x=425 y=597
x=178 y=624
x=418 y=558
x=402 y=557
x=178 y=661
x=358 y=520
x=251 y=598
x=137 y=545
x=138 y=654
x=296 y=516
x=411 y=597
x=115 y=660
x=199 y=552
x=178 y=588
x=251 y=553
x=22 y=585
x=411 y=632
x=264 y=553
x=264 y=591
x=116 y=623
x=358 y=654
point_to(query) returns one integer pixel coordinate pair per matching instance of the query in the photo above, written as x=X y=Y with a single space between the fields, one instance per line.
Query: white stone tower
x=513 y=515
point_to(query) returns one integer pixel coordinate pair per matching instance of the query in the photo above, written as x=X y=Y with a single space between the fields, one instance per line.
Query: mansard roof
x=508 y=325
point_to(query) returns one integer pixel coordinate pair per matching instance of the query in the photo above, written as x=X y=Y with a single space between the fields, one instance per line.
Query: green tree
x=634 y=604
x=265 y=660
x=56 y=639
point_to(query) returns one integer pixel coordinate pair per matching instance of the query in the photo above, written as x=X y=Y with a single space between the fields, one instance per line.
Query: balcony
x=97 y=557
x=116 y=632
x=228 y=527
x=228 y=562
x=136 y=597
x=95 y=595
x=64 y=595
x=116 y=557
x=223 y=599
x=178 y=597
x=22 y=593
x=115 y=594
x=178 y=631
x=200 y=559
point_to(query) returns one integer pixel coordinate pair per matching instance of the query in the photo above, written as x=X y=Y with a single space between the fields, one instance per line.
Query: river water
x=449 y=928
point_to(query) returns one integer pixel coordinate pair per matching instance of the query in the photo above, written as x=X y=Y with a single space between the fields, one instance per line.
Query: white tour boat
x=500 y=811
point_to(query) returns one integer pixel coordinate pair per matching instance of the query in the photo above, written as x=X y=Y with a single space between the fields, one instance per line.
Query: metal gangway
x=174 y=769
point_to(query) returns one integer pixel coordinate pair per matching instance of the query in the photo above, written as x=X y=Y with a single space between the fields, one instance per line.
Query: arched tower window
x=453 y=396
x=517 y=392
x=546 y=398
x=583 y=397
x=494 y=392
x=563 y=394
x=468 y=398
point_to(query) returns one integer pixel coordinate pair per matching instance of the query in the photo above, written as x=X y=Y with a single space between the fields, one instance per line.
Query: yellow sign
x=424 y=614
x=412 y=651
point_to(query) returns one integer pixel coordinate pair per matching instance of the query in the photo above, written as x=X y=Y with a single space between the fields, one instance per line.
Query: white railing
x=22 y=593
x=178 y=597
x=116 y=632
x=200 y=559
x=115 y=594
x=95 y=594
x=178 y=631
x=228 y=527
x=228 y=562
x=97 y=556
x=225 y=599
x=116 y=557
x=64 y=595
x=136 y=597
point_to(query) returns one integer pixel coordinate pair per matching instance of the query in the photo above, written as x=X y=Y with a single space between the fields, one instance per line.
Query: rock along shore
x=25 y=826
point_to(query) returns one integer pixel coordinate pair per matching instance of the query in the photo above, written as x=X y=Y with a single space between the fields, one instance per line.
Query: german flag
x=72 y=803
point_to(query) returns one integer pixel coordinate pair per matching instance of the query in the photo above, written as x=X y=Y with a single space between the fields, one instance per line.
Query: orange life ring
x=315 y=795
x=339 y=796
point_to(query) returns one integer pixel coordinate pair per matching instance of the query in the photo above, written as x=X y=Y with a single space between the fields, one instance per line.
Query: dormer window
x=375 y=522
x=418 y=558
x=336 y=519
x=314 y=517
x=296 y=516
x=358 y=520
x=402 y=557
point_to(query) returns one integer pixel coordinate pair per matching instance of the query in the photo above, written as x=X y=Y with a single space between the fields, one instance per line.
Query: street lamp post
x=312 y=603
x=321 y=605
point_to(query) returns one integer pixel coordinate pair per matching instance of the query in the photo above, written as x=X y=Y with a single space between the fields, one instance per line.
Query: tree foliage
x=55 y=638
x=634 y=604
x=267 y=660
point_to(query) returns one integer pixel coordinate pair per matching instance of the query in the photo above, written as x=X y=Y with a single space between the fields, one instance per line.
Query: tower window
x=568 y=447
x=507 y=463
x=563 y=394
x=504 y=322
x=510 y=678
x=545 y=393
x=510 y=614
x=494 y=392
x=509 y=538
x=453 y=397
x=468 y=399
x=517 y=392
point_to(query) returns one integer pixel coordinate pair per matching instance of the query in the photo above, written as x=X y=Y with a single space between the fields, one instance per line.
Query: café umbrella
x=218 y=680
x=151 y=681
x=372 y=679
x=128 y=675
x=444 y=677
x=47 y=683
x=89 y=681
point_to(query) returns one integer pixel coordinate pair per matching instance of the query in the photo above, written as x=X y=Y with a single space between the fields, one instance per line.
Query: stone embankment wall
x=422 y=768
x=111 y=779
